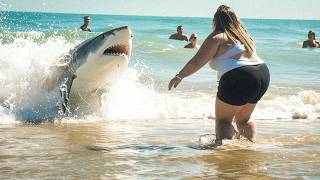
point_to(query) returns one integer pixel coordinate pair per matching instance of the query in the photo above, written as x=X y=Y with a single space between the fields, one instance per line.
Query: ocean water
x=144 y=131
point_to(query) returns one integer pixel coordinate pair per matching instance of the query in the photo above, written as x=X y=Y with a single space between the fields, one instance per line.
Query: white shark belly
x=93 y=80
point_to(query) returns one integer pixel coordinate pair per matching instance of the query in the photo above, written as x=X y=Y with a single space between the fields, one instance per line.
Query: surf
x=77 y=80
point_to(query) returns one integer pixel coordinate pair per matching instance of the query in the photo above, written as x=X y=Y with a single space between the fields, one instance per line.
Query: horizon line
x=48 y=12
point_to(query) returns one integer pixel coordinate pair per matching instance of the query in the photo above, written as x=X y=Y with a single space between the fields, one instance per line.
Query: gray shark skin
x=78 y=79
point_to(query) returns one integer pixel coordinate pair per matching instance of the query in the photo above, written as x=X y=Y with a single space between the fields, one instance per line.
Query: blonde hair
x=226 y=21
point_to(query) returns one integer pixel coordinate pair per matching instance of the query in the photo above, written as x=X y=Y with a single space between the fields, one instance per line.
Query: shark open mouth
x=117 y=50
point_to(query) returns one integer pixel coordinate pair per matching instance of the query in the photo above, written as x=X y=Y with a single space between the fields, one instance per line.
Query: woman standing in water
x=243 y=76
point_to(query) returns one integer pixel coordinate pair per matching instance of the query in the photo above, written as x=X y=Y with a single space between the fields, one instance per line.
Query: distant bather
x=86 y=22
x=311 y=42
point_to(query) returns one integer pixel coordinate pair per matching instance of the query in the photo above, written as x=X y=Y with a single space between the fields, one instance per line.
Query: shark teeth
x=117 y=50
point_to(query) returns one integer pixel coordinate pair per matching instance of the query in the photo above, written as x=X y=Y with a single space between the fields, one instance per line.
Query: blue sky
x=269 y=9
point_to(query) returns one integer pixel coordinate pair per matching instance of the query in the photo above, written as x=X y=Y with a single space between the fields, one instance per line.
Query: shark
x=78 y=79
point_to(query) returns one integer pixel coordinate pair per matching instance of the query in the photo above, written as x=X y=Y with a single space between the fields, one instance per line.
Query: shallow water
x=142 y=131
x=160 y=149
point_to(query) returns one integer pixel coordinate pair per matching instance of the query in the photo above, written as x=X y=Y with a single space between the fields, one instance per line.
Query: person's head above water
x=225 y=20
x=179 y=35
x=193 y=38
x=86 y=22
x=311 y=35
x=180 y=29
x=86 y=19
x=193 y=42
x=311 y=42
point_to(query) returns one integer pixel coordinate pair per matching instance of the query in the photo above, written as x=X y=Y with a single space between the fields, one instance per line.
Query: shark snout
x=118 y=42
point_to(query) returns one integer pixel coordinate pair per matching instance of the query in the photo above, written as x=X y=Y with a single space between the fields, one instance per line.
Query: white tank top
x=225 y=63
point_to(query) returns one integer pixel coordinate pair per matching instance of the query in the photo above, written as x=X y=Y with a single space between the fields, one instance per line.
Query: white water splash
x=24 y=62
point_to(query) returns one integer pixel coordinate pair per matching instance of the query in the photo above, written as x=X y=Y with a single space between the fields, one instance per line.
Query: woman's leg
x=224 y=115
x=242 y=117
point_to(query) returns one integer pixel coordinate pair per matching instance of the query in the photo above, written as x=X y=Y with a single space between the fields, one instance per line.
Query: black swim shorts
x=246 y=84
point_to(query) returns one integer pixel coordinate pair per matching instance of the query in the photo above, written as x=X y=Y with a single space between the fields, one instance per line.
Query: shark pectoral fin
x=65 y=89
x=64 y=98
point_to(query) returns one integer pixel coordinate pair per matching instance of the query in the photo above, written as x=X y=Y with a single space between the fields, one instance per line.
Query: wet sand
x=144 y=149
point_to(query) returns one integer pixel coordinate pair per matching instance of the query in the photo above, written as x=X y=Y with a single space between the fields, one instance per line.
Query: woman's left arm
x=207 y=51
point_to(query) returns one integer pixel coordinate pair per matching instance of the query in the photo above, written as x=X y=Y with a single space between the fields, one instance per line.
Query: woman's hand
x=207 y=51
x=174 y=82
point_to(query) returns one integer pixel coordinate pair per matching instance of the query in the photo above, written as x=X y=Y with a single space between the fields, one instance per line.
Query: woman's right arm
x=207 y=51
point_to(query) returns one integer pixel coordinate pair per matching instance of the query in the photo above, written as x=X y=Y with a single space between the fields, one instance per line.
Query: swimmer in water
x=311 y=42
x=179 y=35
x=193 y=42
x=86 y=23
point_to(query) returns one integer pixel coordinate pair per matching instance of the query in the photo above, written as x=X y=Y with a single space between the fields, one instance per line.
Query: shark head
x=112 y=44
x=101 y=60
